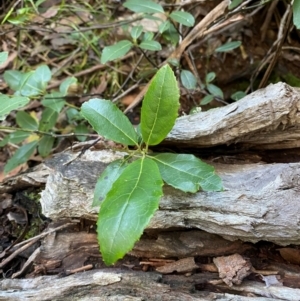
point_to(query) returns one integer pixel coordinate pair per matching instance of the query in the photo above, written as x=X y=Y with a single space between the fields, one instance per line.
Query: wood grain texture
x=266 y=119
x=259 y=201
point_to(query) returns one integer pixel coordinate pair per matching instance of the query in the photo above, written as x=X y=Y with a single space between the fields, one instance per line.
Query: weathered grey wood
x=259 y=201
x=267 y=119
x=122 y=285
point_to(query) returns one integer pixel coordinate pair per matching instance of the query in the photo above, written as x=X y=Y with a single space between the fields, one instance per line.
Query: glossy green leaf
x=108 y=121
x=21 y=156
x=210 y=77
x=238 y=95
x=164 y=26
x=187 y=173
x=215 y=91
x=128 y=208
x=48 y=120
x=26 y=122
x=81 y=129
x=229 y=46
x=145 y=6
x=183 y=17
x=150 y=45
x=8 y=104
x=106 y=180
x=206 y=99
x=55 y=101
x=188 y=79
x=64 y=86
x=296 y=13
x=136 y=31
x=160 y=106
x=45 y=145
x=115 y=51
x=3 y=56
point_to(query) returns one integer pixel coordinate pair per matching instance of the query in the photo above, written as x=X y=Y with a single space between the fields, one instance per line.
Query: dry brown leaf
x=51 y=12
x=129 y=98
x=181 y=266
x=291 y=255
x=232 y=269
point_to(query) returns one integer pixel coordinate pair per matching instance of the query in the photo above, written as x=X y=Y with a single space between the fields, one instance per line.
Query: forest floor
x=69 y=36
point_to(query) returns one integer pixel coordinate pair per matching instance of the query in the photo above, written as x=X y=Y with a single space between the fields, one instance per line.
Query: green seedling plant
x=129 y=190
x=143 y=39
x=39 y=133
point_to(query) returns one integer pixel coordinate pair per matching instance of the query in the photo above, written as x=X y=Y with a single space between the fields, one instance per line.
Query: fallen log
x=265 y=119
x=259 y=201
x=115 y=284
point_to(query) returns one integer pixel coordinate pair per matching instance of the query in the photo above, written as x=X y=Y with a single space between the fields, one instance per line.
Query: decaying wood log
x=259 y=201
x=120 y=285
x=266 y=119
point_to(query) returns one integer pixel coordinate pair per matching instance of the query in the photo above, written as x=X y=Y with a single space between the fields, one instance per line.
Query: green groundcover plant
x=129 y=189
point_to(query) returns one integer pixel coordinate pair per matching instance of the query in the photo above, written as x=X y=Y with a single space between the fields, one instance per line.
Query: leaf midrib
x=126 y=205
x=158 y=106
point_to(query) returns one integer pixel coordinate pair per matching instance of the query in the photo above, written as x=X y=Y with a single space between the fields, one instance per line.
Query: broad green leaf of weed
x=171 y=35
x=164 y=26
x=160 y=106
x=296 y=13
x=210 y=77
x=14 y=137
x=54 y=100
x=8 y=104
x=229 y=46
x=128 y=208
x=3 y=56
x=206 y=99
x=48 y=120
x=115 y=51
x=183 y=17
x=215 y=90
x=234 y=3
x=136 y=31
x=148 y=36
x=150 y=45
x=30 y=85
x=73 y=114
x=238 y=95
x=145 y=6
x=13 y=78
x=43 y=74
x=187 y=173
x=45 y=145
x=26 y=122
x=188 y=79
x=21 y=156
x=106 y=180
x=108 y=121
x=18 y=136
x=5 y=140
x=64 y=86
x=81 y=131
